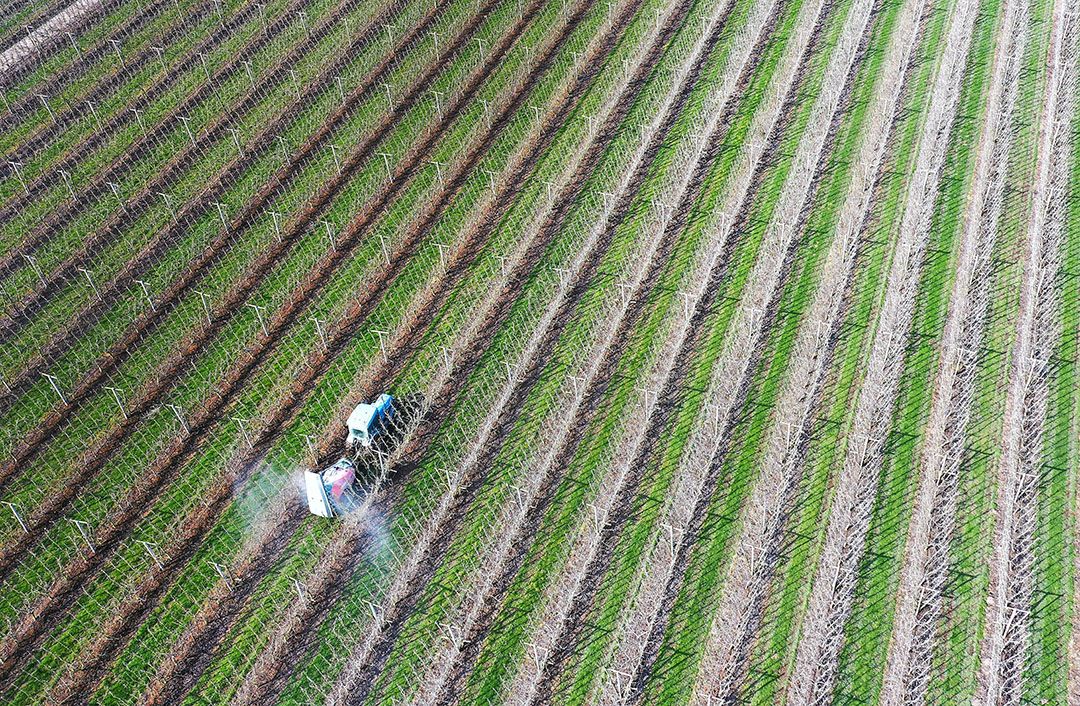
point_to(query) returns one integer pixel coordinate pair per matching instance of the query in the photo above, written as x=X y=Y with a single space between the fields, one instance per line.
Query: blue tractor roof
x=364 y=415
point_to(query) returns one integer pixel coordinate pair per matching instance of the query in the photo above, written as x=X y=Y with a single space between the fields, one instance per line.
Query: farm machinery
x=334 y=490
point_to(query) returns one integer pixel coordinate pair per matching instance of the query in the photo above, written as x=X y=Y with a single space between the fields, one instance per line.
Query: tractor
x=334 y=491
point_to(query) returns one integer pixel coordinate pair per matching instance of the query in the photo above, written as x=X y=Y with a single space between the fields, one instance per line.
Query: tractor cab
x=333 y=491
x=367 y=421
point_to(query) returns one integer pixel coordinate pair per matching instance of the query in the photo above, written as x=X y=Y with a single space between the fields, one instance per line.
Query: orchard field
x=734 y=348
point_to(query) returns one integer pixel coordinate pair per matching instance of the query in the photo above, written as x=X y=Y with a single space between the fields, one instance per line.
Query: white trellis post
x=55 y=386
x=242 y=423
x=221 y=214
x=168 y=204
x=259 y=316
x=284 y=148
x=119 y=403
x=442 y=254
x=82 y=525
x=250 y=73
x=186 y=121
x=146 y=293
x=220 y=571
x=93 y=111
x=645 y=392
x=386 y=162
x=32 y=261
x=328 y=227
x=115 y=188
x=439 y=170
x=15 y=167
x=277 y=223
x=74 y=44
x=385 y=250
x=149 y=547
x=340 y=86
x=18 y=518
x=320 y=330
x=116 y=48
x=179 y=417
x=67 y=182
x=382 y=342
x=139 y=120
x=86 y=273
x=685 y=296
x=296 y=82
x=577 y=382
x=44 y=101
x=205 y=305
x=236 y=139
x=337 y=159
